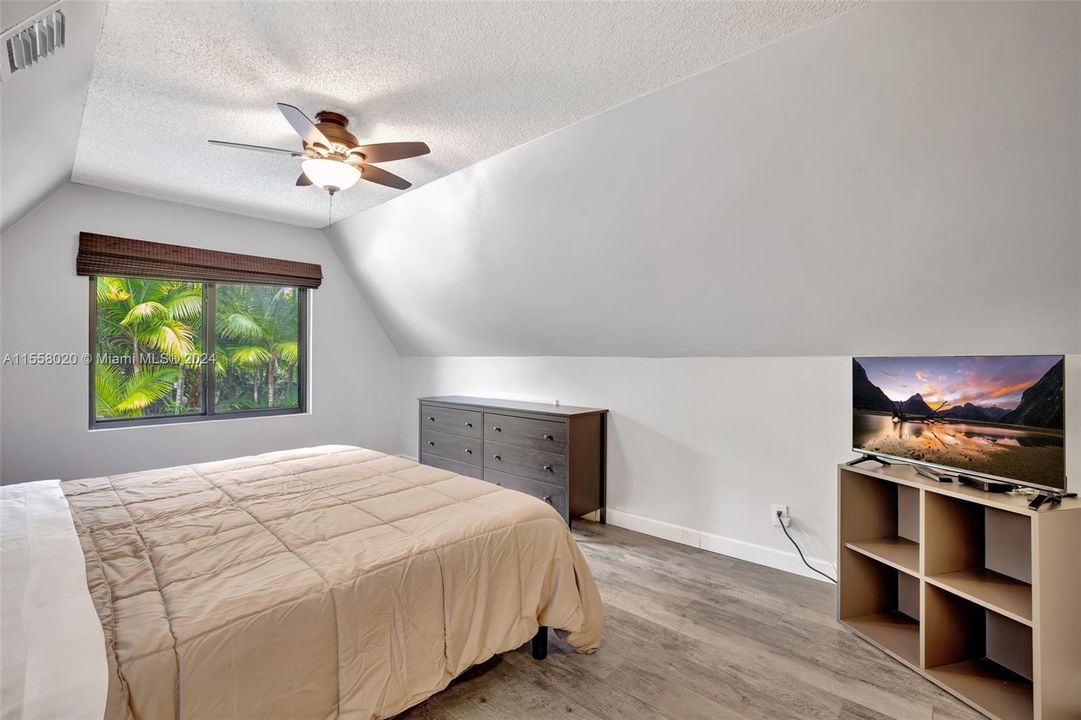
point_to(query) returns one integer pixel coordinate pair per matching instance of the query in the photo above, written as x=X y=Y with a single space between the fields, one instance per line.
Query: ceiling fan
x=333 y=157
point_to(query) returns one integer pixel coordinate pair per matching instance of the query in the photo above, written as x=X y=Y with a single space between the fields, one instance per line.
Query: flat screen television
x=994 y=417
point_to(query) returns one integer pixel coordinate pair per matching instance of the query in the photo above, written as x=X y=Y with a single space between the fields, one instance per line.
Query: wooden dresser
x=553 y=452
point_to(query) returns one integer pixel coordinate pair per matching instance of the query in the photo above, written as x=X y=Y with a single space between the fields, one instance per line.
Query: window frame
x=209 y=379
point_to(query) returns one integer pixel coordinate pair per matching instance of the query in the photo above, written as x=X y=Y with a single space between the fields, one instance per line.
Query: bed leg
x=539 y=644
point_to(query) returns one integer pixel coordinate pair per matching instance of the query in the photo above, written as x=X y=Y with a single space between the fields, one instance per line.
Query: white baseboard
x=760 y=554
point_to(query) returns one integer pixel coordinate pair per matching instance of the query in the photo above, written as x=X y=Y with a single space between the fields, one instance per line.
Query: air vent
x=33 y=41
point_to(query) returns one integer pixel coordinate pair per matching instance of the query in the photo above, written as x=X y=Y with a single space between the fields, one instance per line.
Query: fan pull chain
x=330 y=208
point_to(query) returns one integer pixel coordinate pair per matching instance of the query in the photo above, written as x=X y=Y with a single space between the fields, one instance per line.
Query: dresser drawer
x=468 y=423
x=548 y=435
x=554 y=495
x=453 y=447
x=452 y=465
x=544 y=466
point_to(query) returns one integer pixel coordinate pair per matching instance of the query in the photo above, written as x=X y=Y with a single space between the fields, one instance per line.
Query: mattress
x=328 y=582
x=52 y=649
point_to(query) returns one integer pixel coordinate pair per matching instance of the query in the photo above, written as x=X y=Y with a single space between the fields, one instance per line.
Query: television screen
x=1001 y=417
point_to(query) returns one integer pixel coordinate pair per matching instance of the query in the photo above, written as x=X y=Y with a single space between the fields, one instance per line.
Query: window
x=216 y=334
x=257 y=347
x=175 y=350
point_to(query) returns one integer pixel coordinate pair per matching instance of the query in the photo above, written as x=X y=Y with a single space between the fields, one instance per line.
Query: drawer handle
x=432 y=443
x=468 y=451
x=547 y=499
x=548 y=468
x=548 y=436
x=497 y=428
x=431 y=419
x=469 y=424
x=496 y=457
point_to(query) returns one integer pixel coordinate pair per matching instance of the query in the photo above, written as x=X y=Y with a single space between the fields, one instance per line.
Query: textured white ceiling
x=470 y=79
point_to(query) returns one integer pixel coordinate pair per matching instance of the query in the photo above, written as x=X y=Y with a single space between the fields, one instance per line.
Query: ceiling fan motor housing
x=333 y=125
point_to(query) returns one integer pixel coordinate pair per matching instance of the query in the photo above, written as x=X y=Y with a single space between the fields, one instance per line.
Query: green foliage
x=143 y=389
x=149 y=347
x=257 y=346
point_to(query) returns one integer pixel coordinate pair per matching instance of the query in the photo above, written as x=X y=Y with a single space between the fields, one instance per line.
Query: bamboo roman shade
x=124 y=257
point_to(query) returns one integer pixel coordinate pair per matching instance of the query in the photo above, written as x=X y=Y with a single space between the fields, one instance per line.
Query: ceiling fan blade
x=303 y=180
x=371 y=173
x=258 y=148
x=305 y=128
x=385 y=152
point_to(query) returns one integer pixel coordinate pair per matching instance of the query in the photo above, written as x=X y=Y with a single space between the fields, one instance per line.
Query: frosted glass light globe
x=331 y=175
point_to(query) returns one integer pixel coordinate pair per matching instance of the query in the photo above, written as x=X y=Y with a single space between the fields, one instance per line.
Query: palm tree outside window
x=171 y=350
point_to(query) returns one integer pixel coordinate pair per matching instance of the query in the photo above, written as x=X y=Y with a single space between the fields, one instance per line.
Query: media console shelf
x=973 y=590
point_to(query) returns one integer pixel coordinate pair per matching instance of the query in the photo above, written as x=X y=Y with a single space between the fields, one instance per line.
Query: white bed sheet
x=52 y=649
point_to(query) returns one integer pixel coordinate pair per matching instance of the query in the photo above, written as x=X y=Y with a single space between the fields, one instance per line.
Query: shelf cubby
x=978 y=653
x=882 y=603
x=981 y=553
x=881 y=520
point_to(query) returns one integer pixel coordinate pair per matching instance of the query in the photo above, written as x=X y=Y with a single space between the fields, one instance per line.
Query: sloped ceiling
x=471 y=79
x=41 y=108
x=902 y=180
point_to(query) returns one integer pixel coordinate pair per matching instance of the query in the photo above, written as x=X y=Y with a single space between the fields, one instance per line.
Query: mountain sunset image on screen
x=1001 y=416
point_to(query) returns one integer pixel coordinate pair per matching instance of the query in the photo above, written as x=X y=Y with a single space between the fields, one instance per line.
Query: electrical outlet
x=783 y=509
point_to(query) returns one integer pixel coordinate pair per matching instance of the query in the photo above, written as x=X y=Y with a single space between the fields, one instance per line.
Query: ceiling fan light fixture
x=335 y=161
x=331 y=175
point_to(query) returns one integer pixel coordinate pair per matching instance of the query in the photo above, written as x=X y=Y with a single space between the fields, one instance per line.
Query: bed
x=328 y=582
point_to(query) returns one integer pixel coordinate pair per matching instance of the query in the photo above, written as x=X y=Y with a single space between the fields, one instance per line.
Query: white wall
x=41 y=108
x=45 y=308
x=904 y=178
x=699 y=448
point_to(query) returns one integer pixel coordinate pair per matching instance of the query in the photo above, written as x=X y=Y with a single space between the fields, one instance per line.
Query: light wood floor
x=697 y=636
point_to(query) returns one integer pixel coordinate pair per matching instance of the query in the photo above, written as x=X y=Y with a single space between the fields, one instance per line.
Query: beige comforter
x=317 y=583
